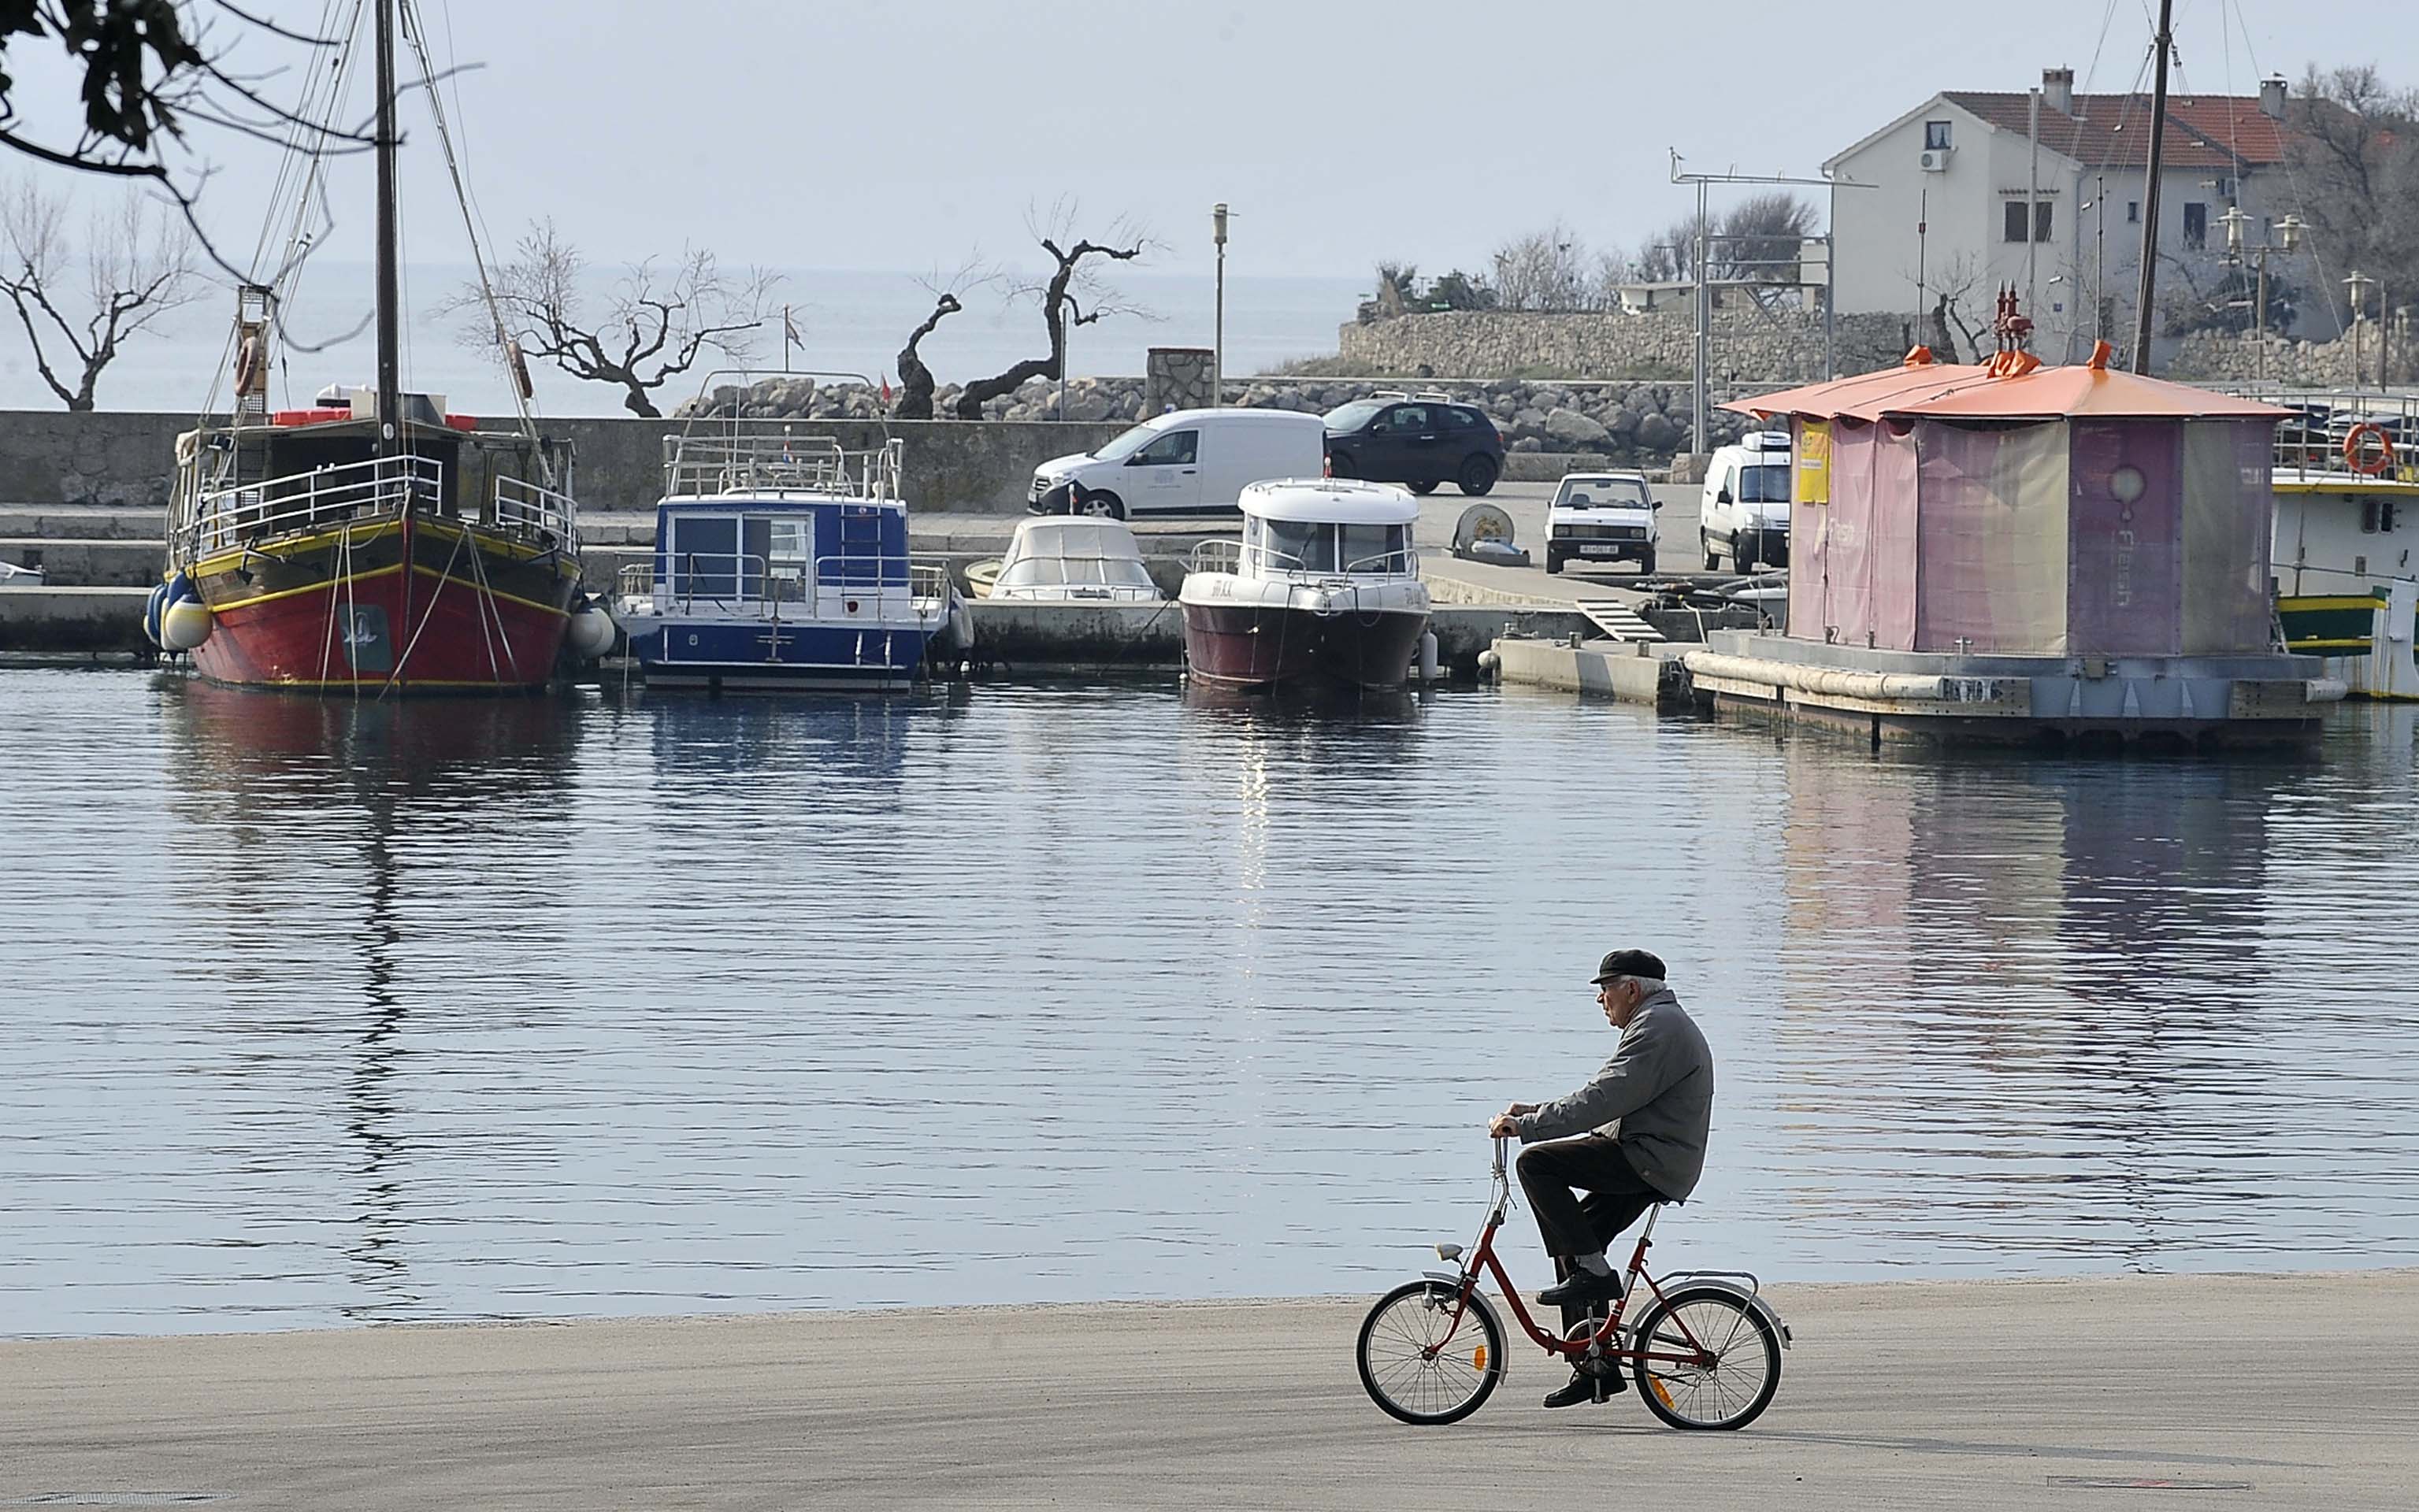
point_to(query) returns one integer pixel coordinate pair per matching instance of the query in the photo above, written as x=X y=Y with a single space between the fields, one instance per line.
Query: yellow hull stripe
x=337 y=584
x=2351 y=486
x=2361 y=645
x=508 y=598
x=2290 y=604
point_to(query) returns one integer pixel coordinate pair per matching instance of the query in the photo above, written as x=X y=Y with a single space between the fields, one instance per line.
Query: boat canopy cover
x=1105 y=539
x=1942 y=390
x=1329 y=502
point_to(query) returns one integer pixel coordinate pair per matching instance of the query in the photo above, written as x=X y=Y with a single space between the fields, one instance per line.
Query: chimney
x=2271 y=98
x=2058 y=90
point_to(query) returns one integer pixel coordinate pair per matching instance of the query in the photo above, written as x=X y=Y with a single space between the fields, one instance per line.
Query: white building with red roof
x=1972 y=189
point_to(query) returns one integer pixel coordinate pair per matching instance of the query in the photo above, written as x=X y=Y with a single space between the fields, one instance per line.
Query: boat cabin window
x=704 y=557
x=787 y=557
x=1375 y=548
x=1319 y=547
x=1033 y=572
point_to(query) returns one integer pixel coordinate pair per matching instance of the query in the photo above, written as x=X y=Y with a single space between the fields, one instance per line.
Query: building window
x=2040 y=220
x=2013 y=212
x=2133 y=212
x=2195 y=225
x=1935 y=136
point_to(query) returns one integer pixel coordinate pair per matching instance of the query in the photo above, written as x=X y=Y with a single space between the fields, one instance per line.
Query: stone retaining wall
x=1747 y=344
x=2211 y=357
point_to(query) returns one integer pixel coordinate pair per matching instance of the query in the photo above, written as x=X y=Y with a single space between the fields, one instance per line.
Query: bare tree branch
x=1058 y=295
x=136 y=268
x=656 y=327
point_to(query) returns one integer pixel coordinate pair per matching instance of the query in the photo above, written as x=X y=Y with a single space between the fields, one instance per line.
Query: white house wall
x=1878 y=245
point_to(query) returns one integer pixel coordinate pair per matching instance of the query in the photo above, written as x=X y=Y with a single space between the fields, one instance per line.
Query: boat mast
x=389 y=399
x=2164 y=43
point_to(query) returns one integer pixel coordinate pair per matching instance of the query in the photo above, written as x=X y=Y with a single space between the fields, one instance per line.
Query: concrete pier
x=2256 y=1392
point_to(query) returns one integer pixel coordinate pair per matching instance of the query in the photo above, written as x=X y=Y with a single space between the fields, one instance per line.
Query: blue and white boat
x=781 y=562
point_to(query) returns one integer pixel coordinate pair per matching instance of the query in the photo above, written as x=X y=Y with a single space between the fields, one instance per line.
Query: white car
x=1601 y=517
x=1187 y=462
x=1745 y=515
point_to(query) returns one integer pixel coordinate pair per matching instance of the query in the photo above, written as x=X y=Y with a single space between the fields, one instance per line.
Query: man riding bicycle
x=1633 y=1137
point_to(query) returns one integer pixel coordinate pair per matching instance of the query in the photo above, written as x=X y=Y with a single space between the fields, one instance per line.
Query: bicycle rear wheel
x=1728 y=1393
x=1421 y=1364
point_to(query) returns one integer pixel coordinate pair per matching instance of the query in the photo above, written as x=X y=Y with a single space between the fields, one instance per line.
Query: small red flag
x=885 y=387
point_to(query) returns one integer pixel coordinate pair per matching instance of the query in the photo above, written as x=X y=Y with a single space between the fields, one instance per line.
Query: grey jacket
x=1655 y=1096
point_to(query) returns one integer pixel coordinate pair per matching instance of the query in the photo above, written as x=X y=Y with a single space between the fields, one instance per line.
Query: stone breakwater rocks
x=1750 y=343
x=1636 y=421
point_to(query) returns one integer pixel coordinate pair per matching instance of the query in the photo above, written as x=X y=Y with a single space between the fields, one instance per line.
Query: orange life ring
x=2351 y=449
x=248 y=371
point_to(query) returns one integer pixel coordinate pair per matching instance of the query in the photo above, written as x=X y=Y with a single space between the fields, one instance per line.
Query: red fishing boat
x=370 y=542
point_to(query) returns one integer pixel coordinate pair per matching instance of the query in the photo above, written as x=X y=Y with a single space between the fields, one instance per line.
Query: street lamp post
x=1218 y=340
x=2291 y=228
x=2357 y=286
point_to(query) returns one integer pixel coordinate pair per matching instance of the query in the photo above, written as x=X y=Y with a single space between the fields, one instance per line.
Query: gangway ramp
x=1618 y=620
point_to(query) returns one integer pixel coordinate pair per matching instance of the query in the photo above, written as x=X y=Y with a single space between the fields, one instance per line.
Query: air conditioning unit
x=1934 y=160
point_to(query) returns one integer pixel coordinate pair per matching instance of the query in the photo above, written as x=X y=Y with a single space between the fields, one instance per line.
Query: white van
x=1745 y=515
x=1189 y=461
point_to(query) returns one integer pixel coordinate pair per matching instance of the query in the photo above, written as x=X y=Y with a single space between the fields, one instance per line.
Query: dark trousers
x=1574 y=1225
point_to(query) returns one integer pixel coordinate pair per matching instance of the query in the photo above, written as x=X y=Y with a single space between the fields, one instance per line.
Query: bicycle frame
x=1602 y=1342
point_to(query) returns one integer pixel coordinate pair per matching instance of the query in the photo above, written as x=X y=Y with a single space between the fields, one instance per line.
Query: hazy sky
x=901 y=135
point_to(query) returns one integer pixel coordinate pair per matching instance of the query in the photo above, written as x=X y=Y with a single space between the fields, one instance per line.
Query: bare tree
x=136 y=266
x=1072 y=295
x=1761 y=238
x=1955 y=311
x=915 y=379
x=655 y=325
x=1543 y=270
x=2355 y=158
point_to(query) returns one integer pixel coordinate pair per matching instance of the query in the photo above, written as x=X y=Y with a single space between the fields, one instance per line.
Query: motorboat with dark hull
x=1323 y=585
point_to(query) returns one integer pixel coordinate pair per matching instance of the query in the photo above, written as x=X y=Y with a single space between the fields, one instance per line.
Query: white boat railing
x=324 y=495
x=2310 y=445
x=842 y=589
x=728 y=460
x=540 y=512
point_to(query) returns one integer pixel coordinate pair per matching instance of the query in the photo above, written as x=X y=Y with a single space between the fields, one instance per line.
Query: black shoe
x=1587 y=1388
x=1583 y=1286
x=1582 y=1389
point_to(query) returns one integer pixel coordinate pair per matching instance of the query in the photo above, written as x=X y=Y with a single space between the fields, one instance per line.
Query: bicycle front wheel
x=1422 y=1363
x=1727 y=1391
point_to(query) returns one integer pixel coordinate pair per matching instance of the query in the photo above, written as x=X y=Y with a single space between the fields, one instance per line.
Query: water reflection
x=1048 y=992
x=325 y=824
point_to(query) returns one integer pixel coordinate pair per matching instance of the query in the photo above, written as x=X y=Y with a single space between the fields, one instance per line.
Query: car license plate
x=1596 y=551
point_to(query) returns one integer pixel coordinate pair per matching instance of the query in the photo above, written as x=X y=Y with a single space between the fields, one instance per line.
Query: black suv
x=1418 y=440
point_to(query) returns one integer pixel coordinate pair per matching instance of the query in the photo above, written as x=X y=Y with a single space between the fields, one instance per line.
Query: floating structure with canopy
x=2015 y=551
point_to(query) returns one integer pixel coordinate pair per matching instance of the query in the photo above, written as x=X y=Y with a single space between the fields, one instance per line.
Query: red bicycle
x=1705 y=1353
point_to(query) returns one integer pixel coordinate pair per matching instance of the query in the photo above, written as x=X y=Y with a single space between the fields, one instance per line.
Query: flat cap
x=1631 y=963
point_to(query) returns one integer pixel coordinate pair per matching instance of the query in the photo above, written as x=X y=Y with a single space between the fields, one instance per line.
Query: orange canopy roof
x=2086 y=392
x=1853 y=395
x=1942 y=390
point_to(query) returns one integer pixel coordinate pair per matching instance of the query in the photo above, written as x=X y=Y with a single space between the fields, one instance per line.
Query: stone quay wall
x=1747 y=344
x=50 y=457
x=2213 y=357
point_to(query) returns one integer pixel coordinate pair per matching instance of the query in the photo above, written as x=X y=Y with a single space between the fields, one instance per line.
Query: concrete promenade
x=2265 y=1392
